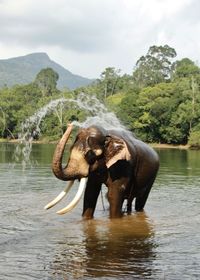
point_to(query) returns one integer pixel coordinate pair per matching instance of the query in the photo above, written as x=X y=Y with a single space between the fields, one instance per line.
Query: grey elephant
x=126 y=165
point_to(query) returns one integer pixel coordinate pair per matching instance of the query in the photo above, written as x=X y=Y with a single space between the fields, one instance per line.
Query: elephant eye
x=92 y=141
x=90 y=157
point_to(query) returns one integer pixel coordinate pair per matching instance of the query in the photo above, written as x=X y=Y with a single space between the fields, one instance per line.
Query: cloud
x=77 y=25
x=85 y=36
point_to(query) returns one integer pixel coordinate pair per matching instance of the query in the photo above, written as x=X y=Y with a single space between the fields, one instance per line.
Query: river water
x=161 y=243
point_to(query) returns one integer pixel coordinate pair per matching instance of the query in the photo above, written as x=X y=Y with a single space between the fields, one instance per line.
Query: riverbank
x=48 y=141
x=42 y=141
x=169 y=146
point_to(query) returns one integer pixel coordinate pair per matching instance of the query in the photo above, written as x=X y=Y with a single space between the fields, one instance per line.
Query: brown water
x=162 y=243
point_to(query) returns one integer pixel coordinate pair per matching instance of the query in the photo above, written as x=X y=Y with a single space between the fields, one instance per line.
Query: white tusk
x=60 y=196
x=76 y=199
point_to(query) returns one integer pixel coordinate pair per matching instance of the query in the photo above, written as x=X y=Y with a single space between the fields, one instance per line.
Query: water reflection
x=181 y=162
x=120 y=247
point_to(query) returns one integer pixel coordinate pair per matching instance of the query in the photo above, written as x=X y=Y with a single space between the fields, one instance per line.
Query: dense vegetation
x=159 y=102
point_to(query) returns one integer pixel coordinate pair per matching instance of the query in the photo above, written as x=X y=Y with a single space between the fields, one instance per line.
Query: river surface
x=161 y=243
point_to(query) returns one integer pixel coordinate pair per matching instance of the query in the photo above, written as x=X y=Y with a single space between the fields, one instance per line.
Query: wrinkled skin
x=126 y=165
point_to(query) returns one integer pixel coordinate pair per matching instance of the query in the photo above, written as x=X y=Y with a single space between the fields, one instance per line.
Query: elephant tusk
x=76 y=199
x=60 y=196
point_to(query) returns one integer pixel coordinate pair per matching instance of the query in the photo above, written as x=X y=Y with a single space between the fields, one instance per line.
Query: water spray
x=98 y=115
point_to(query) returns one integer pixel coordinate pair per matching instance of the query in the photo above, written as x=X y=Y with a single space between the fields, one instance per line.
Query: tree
x=185 y=68
x=46 y=80
x=108 y=81
x=155 y=67
x=128 y=110
x=3 y=124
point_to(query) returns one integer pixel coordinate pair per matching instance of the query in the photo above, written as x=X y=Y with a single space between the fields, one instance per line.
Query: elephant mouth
x=74 y=201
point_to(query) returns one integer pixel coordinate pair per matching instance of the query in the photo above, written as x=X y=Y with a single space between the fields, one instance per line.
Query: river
x=161 y=243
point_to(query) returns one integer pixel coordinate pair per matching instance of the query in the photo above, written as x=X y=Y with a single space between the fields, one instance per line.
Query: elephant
x=125 y=164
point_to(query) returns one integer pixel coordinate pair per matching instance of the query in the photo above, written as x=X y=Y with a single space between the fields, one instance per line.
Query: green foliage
x=185 y=68
x=194 y=140
x=46 y=80
x=114 y=101
x=155 y=67
x=108 y=83
x=17 y=104
x=164 y=113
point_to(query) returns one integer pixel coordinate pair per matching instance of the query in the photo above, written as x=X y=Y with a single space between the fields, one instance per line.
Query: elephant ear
x=115 y=149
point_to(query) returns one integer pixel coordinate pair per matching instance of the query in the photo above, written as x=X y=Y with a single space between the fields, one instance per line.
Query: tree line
x=159 y=101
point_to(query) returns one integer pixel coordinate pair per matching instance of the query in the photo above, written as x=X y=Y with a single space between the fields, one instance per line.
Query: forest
x=159 y=101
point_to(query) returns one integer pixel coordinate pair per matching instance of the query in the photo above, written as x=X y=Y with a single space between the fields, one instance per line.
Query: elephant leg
x=116 y=197
x=141 y=198
x=91 y=195
x=129 y=206
x=131 y=196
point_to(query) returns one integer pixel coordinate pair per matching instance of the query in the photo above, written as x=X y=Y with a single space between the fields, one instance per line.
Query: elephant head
x=93 y=150
x=86 y=150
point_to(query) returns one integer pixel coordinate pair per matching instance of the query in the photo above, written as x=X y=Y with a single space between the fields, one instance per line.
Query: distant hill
x=23 y=70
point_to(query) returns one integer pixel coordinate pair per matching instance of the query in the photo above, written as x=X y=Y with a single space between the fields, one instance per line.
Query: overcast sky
x=86 y=36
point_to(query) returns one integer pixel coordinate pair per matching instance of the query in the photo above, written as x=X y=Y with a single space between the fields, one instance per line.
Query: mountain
x=23 y=70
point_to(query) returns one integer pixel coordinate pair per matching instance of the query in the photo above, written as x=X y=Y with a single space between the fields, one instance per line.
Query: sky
x=86 y=36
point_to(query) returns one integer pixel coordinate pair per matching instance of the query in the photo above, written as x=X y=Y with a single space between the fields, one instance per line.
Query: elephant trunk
x=57 y=169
